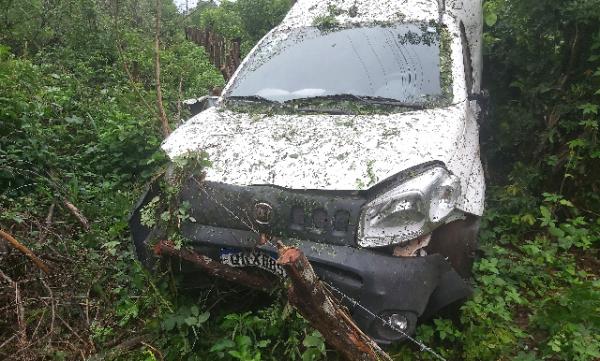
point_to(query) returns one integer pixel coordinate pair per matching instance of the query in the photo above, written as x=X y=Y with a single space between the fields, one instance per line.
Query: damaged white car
x=351 y=131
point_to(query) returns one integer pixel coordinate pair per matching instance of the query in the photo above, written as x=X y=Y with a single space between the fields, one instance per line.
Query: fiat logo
x=263 y=213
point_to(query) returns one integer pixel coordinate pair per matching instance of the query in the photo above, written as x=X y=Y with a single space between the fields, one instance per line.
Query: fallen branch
x=214 y=268
x=26 y=251
x=323 y=311
x=120 y=349
x=77 y=214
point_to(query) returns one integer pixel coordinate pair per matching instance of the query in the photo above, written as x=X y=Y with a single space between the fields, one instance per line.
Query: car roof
x=309 y=12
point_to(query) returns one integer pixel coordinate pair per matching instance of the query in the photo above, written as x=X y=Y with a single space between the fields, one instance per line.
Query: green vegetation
x=78 y=122
x=247 y=20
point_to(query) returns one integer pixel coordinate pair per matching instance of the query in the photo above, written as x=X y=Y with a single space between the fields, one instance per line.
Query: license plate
x=253 y=258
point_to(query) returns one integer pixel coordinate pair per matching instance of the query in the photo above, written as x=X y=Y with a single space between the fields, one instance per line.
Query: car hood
x=328 y=152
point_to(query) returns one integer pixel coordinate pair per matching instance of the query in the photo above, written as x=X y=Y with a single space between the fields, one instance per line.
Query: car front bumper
x=372 y=283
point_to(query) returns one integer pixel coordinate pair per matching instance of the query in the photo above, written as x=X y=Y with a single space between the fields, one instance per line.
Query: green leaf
x=191 y=321
x=545 y=212
x=556 y=232
x=263 y=343
x=168 y=324
x=238 y=355
x=528 y=218
x=566 y=203
x=165 y=216
x=243 y=340
x=312 y=341
x=203 y=317
x=73 y=119
x=222 y=345
x=490 y=19
x=589 y=108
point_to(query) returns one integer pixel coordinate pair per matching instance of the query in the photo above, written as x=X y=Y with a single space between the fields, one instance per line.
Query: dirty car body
x=351 y=132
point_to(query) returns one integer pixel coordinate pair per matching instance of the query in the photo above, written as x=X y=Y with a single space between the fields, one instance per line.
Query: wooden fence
x=225 y=54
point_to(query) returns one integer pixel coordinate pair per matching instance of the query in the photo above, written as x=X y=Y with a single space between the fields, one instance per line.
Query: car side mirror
x=483 y=96
x=483 y=99
x=198 y=105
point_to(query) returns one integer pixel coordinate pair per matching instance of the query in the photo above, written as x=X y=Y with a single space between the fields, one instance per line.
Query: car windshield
x=398 y=64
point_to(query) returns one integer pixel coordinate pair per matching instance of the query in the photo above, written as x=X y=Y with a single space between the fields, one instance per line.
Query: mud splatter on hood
x=317 y=151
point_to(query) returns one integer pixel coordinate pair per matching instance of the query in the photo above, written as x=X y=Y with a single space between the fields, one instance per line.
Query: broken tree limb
x=77 y=214
x=308 y=294
x=215 y=268
x=26 y=251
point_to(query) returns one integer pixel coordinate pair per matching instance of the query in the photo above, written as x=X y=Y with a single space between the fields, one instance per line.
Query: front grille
x=319 y=216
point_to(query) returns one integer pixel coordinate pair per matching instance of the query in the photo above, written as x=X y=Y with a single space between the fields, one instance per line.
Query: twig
x=154 y=350
x=37 y=327
x=20 y=310
x=77 y=214
x=87 y=307
x=179 y=98
x=26 y=251
x=131 y=79
x=50 y=215
x=7 y=341
x=21 y=350
x=47 y=223
x=52 y=307
x=164 y=121
x=119 y=349
x=71 y=329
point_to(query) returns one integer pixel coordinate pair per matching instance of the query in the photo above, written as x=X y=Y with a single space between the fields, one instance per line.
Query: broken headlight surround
x=410 y=209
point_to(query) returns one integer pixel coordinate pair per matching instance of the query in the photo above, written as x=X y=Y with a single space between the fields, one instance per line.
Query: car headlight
x=410 y=209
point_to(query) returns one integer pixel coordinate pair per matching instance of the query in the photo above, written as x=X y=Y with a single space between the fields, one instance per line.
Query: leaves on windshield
x=428 y=35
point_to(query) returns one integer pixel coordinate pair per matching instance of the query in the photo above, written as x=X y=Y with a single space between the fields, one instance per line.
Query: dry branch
x=52 y=304
x=47 y=223
x=120 y=349
x=307 y=293
x=214 y=268
x=77 y=214
x=20 y=311
x=26 y=251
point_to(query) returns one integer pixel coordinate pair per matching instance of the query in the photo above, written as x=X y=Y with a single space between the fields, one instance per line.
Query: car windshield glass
x=399 y=63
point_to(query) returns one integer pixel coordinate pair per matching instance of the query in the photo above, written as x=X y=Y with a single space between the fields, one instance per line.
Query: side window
x=466 y=52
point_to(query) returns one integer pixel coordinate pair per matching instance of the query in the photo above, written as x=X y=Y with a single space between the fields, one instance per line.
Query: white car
x=350 y=130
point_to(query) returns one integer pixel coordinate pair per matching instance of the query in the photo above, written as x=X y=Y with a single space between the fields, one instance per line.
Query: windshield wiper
x=374 y=100
x=326 y=111
x=286 y=105
x=252 y=98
